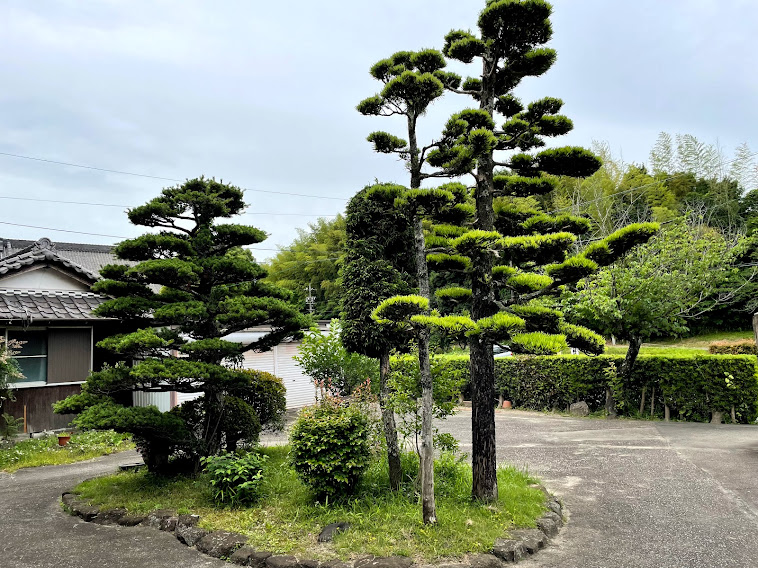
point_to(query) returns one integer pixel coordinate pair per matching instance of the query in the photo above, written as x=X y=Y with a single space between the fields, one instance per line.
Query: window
x=53 y=355
x=32 y=356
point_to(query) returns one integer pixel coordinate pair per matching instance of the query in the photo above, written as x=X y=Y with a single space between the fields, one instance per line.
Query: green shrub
x=268 y=397
x=235 y=478
x=330 y=447
x=692 y=386
x=741 y=347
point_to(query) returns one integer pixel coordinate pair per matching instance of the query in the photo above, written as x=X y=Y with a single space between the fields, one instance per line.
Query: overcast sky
x=263 y=95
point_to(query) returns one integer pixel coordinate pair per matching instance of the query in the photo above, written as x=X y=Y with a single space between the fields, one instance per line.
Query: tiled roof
x=90 y=257
x=28 y=258
x=31 y=305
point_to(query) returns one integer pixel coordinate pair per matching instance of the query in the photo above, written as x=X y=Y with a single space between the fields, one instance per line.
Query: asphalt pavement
x=639 y=494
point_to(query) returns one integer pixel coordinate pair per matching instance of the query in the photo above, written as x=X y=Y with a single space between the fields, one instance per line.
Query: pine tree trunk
x=483 y=457
x=625 y=372
x=429 y=514
x=388 y=419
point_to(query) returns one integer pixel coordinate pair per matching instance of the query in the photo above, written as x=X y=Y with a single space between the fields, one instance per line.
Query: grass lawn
x=685 y=346
x=46 y=451
x=383 y=523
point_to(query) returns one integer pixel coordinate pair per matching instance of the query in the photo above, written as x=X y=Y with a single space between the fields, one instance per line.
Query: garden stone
x=109 y=516
x=509 y=550
x=220 y=543
x=555 y=507
x=555 y=517
x=131 y=520
x=309 y=563
x=579 y=409
x=68 y=498
x=327 y=534
x=533 y=539
x=258 y=559
x=189 y=535
x=484 y=561
x=242 y=555
x=383 y=562
x=547 y=526
x=84 y=510
x=335 y=564
x=281 y=561
x=187 y=520
x=168 y=524
x=155 y=518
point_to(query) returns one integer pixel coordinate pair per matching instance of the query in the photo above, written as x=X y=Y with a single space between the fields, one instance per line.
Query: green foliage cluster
x=9 y=370
x=405 y=392
x=235 y=478
x=743 y=347
x=180 y=293
x=324 y=358
x=46 y=451
x=331 y=448
x=691 y=385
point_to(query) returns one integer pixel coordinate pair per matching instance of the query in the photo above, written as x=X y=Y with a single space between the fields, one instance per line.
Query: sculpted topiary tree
x=376 y=266
x=184 y=289
x=513 y=254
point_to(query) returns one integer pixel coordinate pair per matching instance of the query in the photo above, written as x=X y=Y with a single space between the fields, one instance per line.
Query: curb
x=233 y=546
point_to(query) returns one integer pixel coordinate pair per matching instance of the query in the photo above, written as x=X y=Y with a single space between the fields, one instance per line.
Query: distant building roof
x=31 y=305
x=89 y=257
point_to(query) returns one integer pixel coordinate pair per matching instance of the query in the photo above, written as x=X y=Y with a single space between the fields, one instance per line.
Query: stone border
x=233 y=546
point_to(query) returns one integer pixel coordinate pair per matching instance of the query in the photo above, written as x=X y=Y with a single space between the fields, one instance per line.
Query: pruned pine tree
x=376 y=266
x=184 y=289
x=511 y=256
x=412 y=81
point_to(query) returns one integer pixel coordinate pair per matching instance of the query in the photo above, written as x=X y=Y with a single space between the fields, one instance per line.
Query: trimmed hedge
x=741 y=347
x=692 y=386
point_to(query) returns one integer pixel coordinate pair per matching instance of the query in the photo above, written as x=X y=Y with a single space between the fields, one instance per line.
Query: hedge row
x=691 y=386
x=741 y=347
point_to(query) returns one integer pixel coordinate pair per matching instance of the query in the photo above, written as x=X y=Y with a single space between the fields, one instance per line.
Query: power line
x=61 y=230
x=122 y=172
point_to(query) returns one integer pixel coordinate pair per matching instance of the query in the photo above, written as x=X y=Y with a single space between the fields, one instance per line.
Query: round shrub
x=267 y=395
x=330 y=448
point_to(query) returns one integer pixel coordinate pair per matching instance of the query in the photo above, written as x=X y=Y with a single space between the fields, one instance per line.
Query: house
x=46 y=303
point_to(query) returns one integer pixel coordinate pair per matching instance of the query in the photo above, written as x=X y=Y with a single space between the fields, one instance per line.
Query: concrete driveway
x=36 y=533
x=639 y=494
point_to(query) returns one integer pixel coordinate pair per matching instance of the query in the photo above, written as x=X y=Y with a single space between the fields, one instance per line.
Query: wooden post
x=642 y=402
x=734 y=416
x=25 y=429
x=652 y=403
x=666 y=412
x=755 y=327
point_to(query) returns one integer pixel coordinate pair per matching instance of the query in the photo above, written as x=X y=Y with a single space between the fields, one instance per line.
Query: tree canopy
x=182 y=290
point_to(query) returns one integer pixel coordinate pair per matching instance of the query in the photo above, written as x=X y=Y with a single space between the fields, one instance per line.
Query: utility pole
x=310 y=299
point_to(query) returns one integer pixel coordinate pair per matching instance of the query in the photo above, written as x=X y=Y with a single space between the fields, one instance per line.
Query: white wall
x=42 y=278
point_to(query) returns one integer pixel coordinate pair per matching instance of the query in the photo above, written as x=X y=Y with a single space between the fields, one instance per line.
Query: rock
x=109 y=516
x=220 y=543
x=308 y=563
x=155 y=518
x=258 y=559
x=187 y=520
x=555 y=517
x=509 y=549
x=83 y=509
x=327 y=534
x=68 y=498
x=547 y=526
x=533 y=539
x=281 y=561
x=131 y=520
x=555 y=507
x=335 y=564
x=484 y=561
x=189 y=535
x=383 y=562
x=579 y=409
x=242 y=555
x=542 y=488
x=168 y=524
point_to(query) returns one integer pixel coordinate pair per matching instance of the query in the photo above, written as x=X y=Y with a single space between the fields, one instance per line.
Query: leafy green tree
x=413 y=81
x=323 y=358
x=311 y=262
x=658 y=289
x=511 y=257
x=183 y=292
x=376 y=266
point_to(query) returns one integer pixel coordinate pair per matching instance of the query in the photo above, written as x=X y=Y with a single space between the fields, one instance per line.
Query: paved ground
x=36 y=533
x=640 y=494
